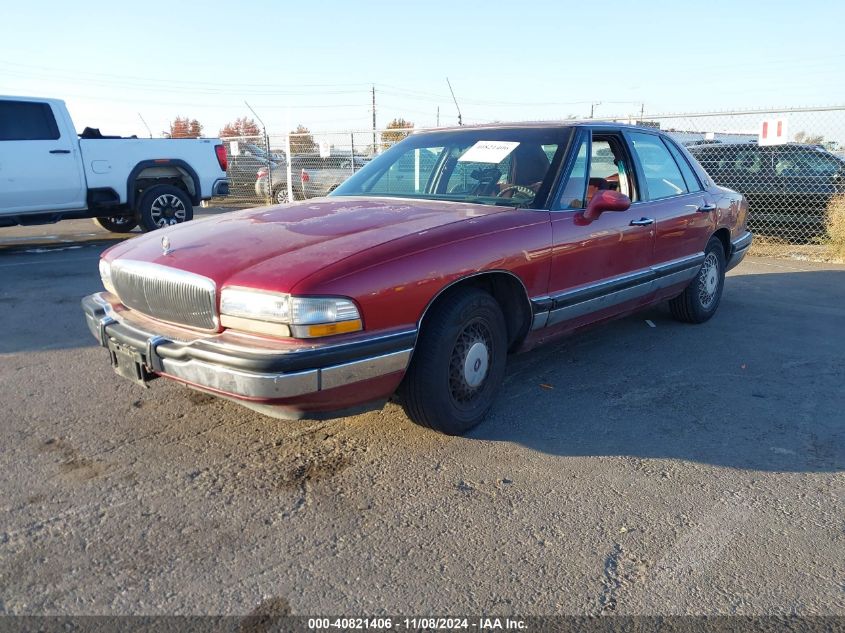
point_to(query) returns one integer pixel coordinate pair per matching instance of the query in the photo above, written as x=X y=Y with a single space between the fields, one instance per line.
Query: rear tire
x=164 y=205
x=458 y=363
x=117 y=224
x=699 y=300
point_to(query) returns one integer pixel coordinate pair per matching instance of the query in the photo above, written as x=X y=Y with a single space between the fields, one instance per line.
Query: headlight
x=105 y=276
x=284 y=315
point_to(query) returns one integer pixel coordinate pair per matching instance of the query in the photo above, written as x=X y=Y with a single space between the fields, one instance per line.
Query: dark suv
x=788 y=187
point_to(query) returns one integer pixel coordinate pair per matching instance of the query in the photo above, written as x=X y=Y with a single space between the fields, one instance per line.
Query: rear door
x=40 y=164
x=671 y=195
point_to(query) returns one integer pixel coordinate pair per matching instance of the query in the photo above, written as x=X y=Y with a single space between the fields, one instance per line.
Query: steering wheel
x=525 y=191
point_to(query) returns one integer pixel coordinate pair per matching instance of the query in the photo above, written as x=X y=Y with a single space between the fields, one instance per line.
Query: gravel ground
x=632 y=469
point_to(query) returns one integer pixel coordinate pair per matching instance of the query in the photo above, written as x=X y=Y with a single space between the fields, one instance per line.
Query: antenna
x=255 y=114
x=457 y=107
x=145 y=125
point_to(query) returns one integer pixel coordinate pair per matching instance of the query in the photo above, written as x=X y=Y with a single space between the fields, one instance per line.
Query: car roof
x=539 y=124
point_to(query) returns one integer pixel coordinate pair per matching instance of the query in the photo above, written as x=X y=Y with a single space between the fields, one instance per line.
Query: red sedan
x=423 y=271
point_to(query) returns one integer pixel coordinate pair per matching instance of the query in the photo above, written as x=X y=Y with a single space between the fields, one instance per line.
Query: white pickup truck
x=49 y=173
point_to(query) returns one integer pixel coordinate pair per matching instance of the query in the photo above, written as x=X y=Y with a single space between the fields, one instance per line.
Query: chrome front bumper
x=256 y=374
x=739 y=248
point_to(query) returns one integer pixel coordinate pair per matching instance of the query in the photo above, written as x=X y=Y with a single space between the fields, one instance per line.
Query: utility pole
x=593 y=107
x=642 y=112
x=438 y=116
x=375 y=143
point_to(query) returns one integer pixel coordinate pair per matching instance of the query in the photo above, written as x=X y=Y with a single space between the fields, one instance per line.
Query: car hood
x=273 y=248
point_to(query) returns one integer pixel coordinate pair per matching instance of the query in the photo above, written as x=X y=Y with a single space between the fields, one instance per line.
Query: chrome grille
x=166 y=293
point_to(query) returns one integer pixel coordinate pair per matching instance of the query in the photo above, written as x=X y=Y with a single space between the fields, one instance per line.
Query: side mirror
x=605 y=200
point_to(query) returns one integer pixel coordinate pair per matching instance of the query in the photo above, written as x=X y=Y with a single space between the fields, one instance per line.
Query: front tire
x=164 y=205
x=699 y=300
x=117 y=224
x=458 y=363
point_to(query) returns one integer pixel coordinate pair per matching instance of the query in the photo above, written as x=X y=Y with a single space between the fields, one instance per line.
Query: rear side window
x=27 y=121
x=662 y=174
x=689 y=176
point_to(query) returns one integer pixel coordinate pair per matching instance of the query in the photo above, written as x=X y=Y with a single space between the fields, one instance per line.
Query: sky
x=315 y=63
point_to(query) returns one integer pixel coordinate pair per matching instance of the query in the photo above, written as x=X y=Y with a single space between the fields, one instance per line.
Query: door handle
x=642 y=222
x=706 y=208
x=60 y=151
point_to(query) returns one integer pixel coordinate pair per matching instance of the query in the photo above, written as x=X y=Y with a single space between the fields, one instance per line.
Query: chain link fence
x=260 y=172
x=795 y=188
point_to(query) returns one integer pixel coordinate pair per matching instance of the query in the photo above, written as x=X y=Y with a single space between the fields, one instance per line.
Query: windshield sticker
x=493 y=152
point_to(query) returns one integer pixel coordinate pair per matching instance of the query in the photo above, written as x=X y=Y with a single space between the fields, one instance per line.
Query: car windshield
x=497 y=166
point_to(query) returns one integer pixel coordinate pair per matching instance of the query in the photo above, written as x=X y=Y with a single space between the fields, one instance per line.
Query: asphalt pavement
x=632 y=469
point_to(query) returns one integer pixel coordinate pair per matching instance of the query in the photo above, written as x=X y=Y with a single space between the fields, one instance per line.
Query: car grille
x=166 y=293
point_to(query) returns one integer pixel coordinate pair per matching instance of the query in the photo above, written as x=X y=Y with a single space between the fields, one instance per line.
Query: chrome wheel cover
x=282 y=196
x=708 y=281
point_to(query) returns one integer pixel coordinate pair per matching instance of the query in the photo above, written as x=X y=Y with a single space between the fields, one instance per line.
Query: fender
x=161 y=162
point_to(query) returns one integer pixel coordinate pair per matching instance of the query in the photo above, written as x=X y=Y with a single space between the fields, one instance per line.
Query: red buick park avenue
x=423 y=271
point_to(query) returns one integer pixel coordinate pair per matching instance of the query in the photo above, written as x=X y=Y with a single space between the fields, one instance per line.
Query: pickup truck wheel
x=458 y=363
x=164 y=205
x=117 y=224
x=699 y=300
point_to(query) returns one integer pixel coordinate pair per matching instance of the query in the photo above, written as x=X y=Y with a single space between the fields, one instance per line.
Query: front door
x=599 y=268
x=40 y=166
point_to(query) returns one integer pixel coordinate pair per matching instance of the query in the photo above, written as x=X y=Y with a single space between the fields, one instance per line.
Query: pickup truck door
x=599 y=268
x=40 y=161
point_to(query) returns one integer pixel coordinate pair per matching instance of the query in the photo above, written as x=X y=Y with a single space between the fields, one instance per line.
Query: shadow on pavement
x=758 y=387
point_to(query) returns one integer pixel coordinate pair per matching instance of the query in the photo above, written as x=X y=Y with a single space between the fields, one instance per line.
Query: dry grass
x=836 y=226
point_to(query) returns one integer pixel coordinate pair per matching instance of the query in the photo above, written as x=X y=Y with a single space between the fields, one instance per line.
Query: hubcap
x=167 y=210
x=475 y=365
x=708 y=281
x=282 y=196
x=470 y=362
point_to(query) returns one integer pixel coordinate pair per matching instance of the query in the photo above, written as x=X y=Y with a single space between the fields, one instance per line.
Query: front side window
x=662 y=175
x=498 y=166
x=27 y=121
x=609 y=167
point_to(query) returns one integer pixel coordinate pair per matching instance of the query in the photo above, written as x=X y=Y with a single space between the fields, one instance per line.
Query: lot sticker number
x=488 y=152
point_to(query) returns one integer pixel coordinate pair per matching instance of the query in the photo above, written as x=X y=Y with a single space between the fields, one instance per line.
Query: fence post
x=269 y=199
x=289 y=170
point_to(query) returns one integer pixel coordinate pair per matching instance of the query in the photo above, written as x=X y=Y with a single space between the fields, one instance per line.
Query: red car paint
x=394 y=256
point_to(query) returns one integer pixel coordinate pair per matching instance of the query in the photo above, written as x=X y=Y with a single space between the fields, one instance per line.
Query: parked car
x=312 y=176
x=244 y=167
x=49 y=173
x=788 y=187
x=423 y=286
x=279 y=179
x=321 y=176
